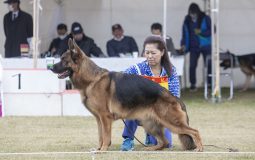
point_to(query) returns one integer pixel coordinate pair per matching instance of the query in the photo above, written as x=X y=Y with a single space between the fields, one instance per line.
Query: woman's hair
x=161 y=45
x=194 y=9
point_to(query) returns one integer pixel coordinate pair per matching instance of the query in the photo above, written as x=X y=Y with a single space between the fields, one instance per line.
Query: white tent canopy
x=96 y=16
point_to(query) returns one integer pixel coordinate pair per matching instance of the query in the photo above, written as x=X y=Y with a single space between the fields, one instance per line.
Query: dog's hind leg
x=100 y=136
x=175 y=119
x=106 y=122
x=247 y=82
x=157 y=130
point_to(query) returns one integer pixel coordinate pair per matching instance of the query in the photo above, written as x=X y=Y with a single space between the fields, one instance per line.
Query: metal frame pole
x=36 y=4
x=164 y=18
x=216 y=91
x=1 y=88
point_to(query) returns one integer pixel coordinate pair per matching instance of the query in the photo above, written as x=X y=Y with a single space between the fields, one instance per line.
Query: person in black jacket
x=86 y=43
x=60 y=44
x=156 y=29
x=196 y=39
x=120 y=45
x=18 y=29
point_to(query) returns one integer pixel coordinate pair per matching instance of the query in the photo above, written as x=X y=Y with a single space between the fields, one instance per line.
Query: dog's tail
x=186 y=140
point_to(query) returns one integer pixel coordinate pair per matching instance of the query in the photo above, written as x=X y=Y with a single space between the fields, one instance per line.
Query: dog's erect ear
x=76 y=52
x=76 y=47
x=70 y=44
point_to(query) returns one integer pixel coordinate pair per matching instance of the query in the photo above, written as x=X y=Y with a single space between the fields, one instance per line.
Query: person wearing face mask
x=156 y=29
x=18 y=29
x=120 y=45
x=60 y=44
x=86 y=43
x=196 y=39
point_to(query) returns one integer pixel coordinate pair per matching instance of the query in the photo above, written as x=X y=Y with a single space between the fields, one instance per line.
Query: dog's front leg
x=247 y=82
x=106 y=122
x=100 y=136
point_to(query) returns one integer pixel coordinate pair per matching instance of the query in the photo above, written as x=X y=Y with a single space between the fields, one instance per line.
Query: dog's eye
x=64 y=62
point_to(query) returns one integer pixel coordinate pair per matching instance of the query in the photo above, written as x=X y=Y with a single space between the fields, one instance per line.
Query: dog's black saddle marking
x=134 y=90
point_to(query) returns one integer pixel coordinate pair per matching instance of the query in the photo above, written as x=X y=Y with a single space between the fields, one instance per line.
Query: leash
x=229 y=149
x=209 y=145
x=129 y=130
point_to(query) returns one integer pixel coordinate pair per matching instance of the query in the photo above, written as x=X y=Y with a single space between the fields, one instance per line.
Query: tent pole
x=35 y=41
x=164 y=18
x=216 y=92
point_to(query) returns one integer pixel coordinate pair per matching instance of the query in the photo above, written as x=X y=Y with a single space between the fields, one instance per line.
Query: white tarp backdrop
x=237 y=22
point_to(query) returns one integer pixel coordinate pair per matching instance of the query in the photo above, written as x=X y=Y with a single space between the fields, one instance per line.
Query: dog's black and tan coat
x=245 y=62
x=111 y=95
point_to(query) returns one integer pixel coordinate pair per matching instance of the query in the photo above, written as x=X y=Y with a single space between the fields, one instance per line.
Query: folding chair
x=229 y=75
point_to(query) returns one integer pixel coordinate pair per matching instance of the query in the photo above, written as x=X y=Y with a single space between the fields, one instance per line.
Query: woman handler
x=156 y=65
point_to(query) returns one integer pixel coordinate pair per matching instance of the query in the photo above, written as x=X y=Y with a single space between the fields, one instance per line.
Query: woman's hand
x=197 y=31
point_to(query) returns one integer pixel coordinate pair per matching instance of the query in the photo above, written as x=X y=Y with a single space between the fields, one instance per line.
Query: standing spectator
x=156 y=29
x=18 y=29
x=86 y=43
x=196 y=39
x=120 y=45
x=60 y=44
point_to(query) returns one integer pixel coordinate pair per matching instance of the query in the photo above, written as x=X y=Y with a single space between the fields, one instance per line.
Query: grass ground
x=229 y=124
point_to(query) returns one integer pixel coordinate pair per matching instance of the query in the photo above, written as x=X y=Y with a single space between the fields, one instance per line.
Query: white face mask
x=10 y=7
x=193 y=17
x=62 y=37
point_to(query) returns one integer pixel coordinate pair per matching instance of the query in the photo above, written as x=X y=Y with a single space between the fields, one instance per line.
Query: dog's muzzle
x=65 y=74
x=61 y=71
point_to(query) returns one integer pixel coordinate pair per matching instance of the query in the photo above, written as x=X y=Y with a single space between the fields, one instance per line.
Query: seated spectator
x=86 y=43
x=120 y=45
x=156 y=29
x=60 y=44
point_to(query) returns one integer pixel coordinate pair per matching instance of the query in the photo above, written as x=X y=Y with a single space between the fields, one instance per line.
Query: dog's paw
x=103 y=148
x=199 y=149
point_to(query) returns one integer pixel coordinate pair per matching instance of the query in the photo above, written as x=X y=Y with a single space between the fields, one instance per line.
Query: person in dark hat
x=120 y=45
x=18 y=29
x=86 y=43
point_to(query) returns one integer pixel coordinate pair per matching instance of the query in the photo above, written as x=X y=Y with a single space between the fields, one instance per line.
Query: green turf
x=229 y=124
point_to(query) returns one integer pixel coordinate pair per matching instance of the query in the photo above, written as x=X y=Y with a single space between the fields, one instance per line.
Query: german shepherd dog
x=245 y=62
x=110 y=96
